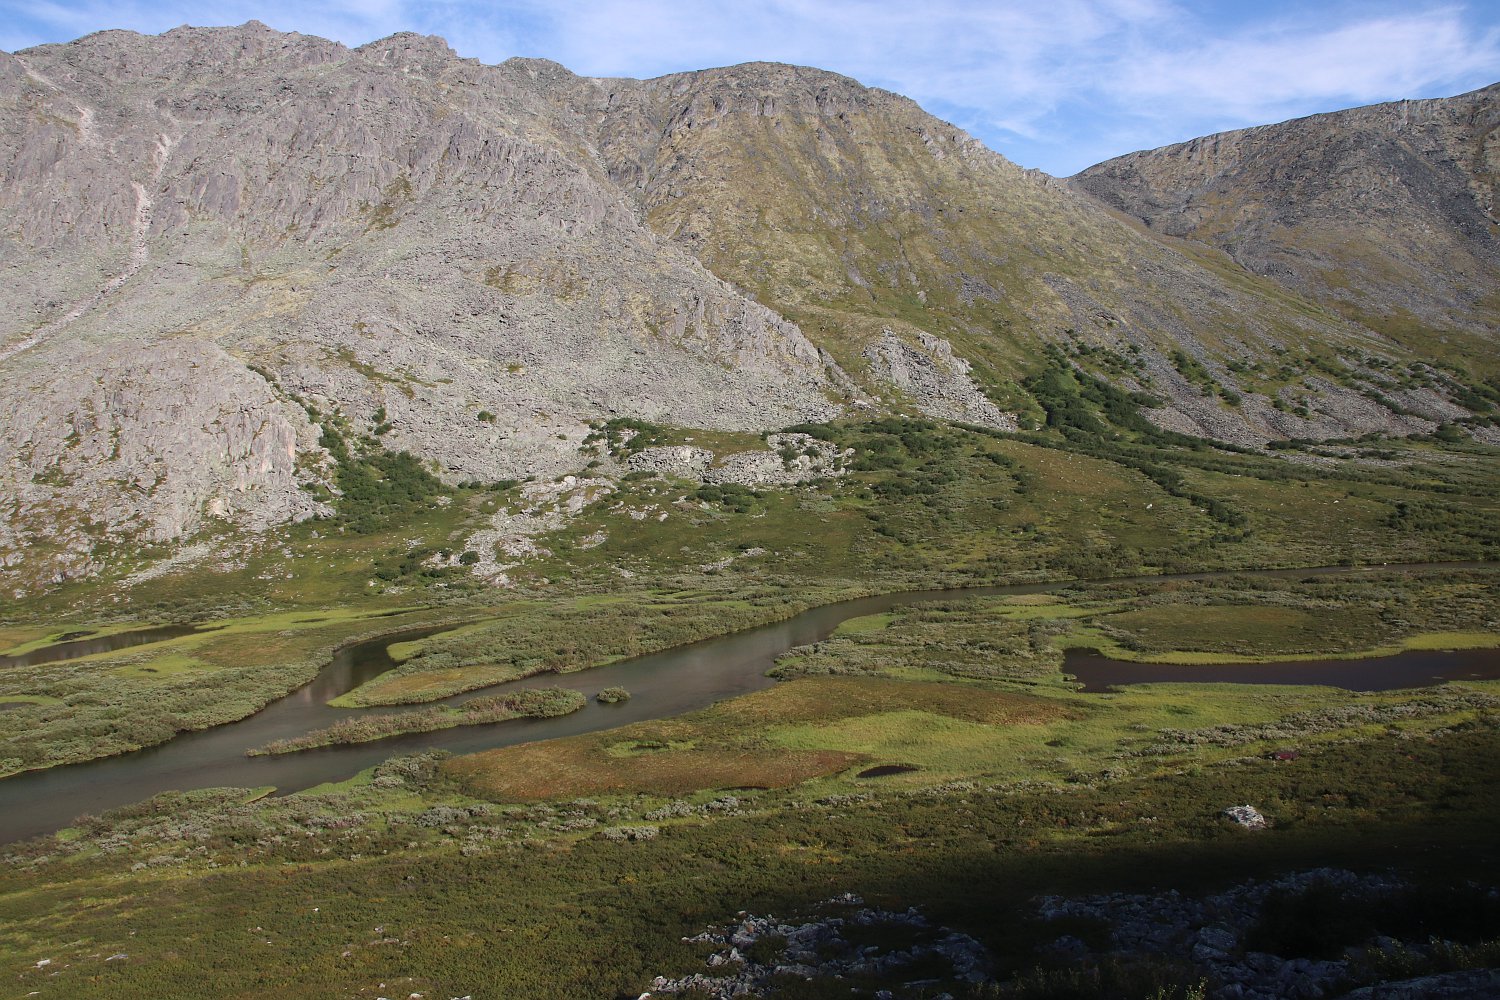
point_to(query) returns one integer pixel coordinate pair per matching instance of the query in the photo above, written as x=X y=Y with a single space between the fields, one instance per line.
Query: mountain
x=231 y=252
x=205 y=228
x=1386 y=214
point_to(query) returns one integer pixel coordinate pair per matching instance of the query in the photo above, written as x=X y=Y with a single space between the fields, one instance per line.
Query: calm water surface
x=1418 y=668
x=89 y=646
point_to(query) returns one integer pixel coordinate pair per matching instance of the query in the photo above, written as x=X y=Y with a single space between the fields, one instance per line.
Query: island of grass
x=533 y=703
x=612 y=696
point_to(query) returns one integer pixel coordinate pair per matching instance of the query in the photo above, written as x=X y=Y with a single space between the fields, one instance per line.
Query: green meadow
x=932 y=755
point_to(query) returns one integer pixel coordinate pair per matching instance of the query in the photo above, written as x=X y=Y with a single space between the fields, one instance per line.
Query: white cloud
x=1294 y=66
x=1034 y=69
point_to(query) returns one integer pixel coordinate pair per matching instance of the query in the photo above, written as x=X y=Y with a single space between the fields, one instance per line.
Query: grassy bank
x=1235 y=619
x=536 y=703
x=112 y=703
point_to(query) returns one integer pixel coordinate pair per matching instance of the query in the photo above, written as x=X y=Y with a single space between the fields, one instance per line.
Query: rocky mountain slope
x=877 y=228
x=1386 y=213
x=201 y=228
x=223 y=245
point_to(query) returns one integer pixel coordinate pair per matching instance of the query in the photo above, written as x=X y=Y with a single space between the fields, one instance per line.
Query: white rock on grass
x=1247 y=816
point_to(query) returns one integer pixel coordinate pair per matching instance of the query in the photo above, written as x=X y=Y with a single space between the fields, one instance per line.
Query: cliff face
x=1386 y=213
x=388 y=227
x=215 y=239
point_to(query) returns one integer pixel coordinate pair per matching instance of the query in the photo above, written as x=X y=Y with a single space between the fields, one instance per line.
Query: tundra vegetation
x=984 y=765
x=1007 y=777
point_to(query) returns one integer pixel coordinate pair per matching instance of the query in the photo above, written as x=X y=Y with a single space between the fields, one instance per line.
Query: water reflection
x=73 y=649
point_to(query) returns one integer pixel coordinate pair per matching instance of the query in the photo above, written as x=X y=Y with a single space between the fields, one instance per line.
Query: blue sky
x=1054 y=84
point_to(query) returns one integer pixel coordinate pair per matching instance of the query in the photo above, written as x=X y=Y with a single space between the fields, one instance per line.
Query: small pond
x=72 y=649
x=1416 y=668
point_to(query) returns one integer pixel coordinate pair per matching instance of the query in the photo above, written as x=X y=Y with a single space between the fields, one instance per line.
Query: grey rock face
x=146 y=443
x=1384 y=210
x=682 y=460
x=788 y=459
x=792 y=459
x=935 y=379
x=207 y=233
x=384 y=227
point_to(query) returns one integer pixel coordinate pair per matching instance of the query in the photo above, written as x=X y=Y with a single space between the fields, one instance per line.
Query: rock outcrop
x=787 y=459
x=935 y=379
x=817 y=950
x=387 y=228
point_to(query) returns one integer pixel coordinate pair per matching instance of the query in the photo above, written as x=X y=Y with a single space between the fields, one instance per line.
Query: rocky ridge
x=863 y=219
x=287 y=226
x=218 y=239
x=1387 y=213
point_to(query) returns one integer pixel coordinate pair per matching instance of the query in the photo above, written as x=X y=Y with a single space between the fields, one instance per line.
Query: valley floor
x=933 y=756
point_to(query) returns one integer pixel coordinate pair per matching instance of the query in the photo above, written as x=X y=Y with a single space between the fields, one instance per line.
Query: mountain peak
x=1388 y=211
x=495 y=258
x=406 y=46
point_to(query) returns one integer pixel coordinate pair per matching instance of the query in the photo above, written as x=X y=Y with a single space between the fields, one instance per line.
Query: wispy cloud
x=1052 y=83
x=1288 y=65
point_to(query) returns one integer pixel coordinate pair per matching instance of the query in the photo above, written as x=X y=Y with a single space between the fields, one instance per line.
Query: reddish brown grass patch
x=827 y=699
x=724 y=746
x=570 y=768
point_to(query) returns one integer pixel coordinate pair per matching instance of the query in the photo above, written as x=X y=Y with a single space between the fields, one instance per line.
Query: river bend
x=662 y=684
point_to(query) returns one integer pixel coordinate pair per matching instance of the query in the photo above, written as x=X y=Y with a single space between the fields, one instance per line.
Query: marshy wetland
x=801 y=724
x=901 y=713
x=300 y=740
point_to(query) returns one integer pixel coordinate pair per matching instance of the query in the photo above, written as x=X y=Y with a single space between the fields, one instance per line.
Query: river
x=661 y=684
